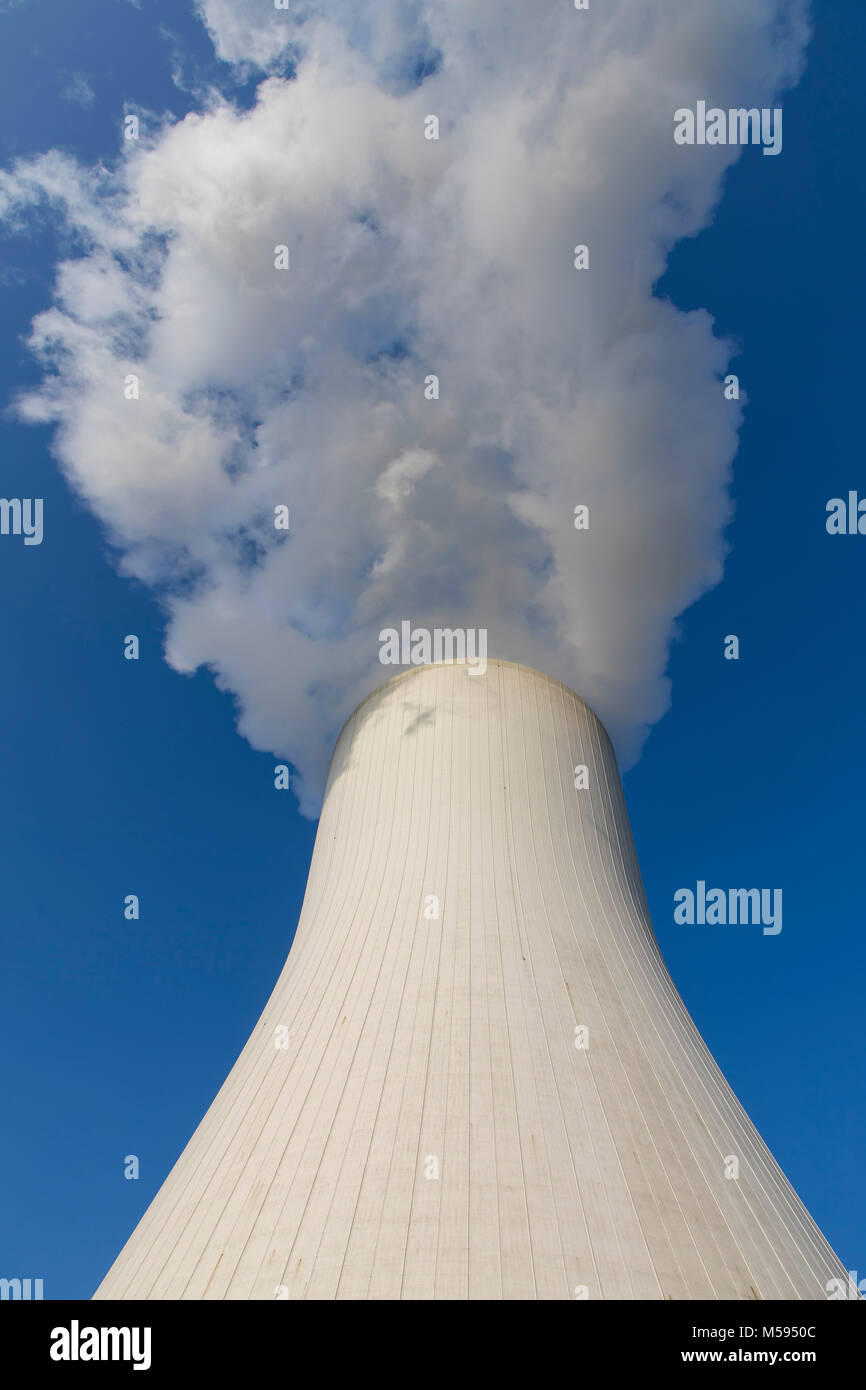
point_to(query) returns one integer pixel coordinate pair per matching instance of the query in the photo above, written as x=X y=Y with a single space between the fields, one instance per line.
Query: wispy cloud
x=79 y=90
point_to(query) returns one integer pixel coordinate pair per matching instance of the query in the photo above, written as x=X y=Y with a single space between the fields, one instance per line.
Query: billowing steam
x=410 y=257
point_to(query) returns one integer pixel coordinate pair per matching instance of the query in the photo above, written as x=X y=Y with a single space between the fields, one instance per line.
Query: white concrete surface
x=413 y=1039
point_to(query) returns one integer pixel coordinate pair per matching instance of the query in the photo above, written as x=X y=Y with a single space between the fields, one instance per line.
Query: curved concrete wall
x=419 y=1045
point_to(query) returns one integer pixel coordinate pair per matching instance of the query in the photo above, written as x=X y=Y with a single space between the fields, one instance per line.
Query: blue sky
x=122 y=777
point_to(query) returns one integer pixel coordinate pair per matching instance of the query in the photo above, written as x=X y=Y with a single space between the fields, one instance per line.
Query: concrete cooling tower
x=474 y=1078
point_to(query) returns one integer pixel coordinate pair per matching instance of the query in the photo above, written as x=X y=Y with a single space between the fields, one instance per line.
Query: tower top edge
x=490 y=662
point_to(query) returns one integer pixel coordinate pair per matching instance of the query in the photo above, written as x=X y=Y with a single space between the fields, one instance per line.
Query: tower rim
x=491 y=661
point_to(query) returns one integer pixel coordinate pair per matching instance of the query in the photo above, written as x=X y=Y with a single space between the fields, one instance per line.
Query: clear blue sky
x=121 y=777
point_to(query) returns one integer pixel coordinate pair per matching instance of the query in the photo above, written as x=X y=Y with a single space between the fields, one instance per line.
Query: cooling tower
x=474 y=1078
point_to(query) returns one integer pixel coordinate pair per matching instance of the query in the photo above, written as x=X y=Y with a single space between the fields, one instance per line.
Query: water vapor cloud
x=407 y=258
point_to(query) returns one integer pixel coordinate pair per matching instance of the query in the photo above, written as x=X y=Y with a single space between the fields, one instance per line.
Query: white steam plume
x=305 y=387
